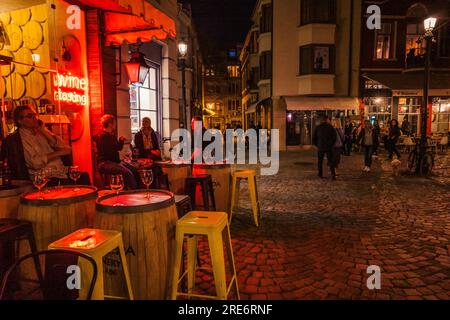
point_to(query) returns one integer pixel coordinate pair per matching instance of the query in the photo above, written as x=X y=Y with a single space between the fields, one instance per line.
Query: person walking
x=367 y=137
x=338 y=145
x=392 y=139
x=324 y=138
x=348 y=136
x=377 y=131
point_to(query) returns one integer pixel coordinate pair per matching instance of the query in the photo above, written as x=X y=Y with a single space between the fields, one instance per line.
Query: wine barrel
x=9 y=199
x=61 y=212
x=148 y=230
x=177 y=172
x=221 y=176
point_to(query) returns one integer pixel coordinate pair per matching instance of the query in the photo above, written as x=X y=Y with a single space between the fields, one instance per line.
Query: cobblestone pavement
x=317 y=237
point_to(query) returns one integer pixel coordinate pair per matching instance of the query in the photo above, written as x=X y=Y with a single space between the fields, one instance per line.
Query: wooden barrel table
x=59 y=212
x=177 y=172
x=221 y=176
x=10 y=198
x=148 y=230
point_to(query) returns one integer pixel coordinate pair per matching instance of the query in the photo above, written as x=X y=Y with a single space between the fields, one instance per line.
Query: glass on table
x=117 y=185
x=40 y=179
x=74 y=174
x=147 y=179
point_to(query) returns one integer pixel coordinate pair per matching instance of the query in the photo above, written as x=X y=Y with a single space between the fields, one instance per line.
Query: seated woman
x=146 y=141
x=108 y=158
x=33 y=148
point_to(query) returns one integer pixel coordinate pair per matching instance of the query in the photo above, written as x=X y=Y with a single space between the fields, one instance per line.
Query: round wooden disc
x=32 y=35
x=15 y=37
x=2 y=87
x=18 y=86
x=39 y=13
x=44 y=53
x=21 y=17
x=23 y=55
x=6 y=70
x=5 y=18
x=35 y=84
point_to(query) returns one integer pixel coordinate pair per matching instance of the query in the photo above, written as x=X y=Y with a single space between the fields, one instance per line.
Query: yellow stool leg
x=233 y=197
x=99 y=289
x=192 y=262
x=231 y=264
x=254 y=198
x=218 y=263
x=177 y=263
x=126 y=273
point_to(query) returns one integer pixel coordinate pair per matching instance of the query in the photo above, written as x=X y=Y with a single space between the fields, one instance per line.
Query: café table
x=221 y=176
x=58 y=211
x=177 y=172
x=10 y=198
x=148 y=230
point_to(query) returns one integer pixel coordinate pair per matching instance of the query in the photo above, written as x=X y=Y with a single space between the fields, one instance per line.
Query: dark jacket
x=348 y=130
x=107 y=147
x=139 y=143
x=12 y=150
x=374 y=137
x=394 y=134
x=324 y=137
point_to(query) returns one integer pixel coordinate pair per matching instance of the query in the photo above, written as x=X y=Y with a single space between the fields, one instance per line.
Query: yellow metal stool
x=98 y=244
x=215 y=226
x=249 y=175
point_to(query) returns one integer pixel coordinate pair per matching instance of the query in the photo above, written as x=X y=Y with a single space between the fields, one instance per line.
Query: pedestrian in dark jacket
x=338 y=145
x=348 y=136
x=394 y=135
x=367 y=138
x=377 y=131
x=324 y=138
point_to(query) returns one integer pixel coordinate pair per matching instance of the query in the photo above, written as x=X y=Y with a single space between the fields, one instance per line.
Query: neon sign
x=70 y=89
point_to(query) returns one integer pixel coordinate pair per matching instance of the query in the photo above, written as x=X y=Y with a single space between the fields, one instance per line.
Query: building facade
x=307 y=65
x=392 y=65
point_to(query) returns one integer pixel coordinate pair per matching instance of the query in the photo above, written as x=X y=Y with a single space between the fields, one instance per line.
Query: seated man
x=146 y=141
x=108 y=159
x=32 y=148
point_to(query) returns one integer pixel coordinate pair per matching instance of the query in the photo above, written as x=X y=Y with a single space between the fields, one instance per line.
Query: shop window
x=384 y=42
x=316 y=59
x=266 y=65
x=379 y=109
x=441 y=117
x=313 y=11
x=144 y=101
x=409 y=107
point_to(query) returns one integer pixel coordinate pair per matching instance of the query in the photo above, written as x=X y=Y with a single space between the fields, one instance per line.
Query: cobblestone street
x=317 y=237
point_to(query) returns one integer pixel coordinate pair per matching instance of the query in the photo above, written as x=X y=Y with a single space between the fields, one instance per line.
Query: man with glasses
x=33 y=148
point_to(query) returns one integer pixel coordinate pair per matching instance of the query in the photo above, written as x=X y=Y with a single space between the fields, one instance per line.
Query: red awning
x=130 y=20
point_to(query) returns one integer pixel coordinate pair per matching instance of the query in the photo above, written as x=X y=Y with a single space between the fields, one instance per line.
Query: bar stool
x=97 y=244
x=12 y=231
x=250 y=176
x=206 y=187
x=213 y=225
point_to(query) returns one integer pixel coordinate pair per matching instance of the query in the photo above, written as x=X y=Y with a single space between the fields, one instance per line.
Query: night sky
x=221 y=24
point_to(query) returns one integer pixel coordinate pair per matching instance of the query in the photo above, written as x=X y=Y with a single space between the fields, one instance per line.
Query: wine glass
x=74 y=174
x=147 y=179
x=39 y=181
x=117 y=185
x=47 y=172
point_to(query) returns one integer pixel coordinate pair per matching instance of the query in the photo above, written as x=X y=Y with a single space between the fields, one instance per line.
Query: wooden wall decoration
x=6 y=70
x=21 y=17
x=5 y=18
x=15 y=37
x=39 y=13
x=16 y=83
x=35 y=83
x=33 y=36
x=23 y=55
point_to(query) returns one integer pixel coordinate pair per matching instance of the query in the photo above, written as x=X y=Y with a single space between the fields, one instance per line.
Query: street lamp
x=137 y=68
x=182 y=50
x=429 y=25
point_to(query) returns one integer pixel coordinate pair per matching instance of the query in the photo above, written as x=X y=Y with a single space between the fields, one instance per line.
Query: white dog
x=396 y=167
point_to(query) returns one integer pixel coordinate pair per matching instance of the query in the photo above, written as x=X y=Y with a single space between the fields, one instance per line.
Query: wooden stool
x=213 y=225
x=250 y=176
x=184 y=205
x=97 y=244
x=206 y=187
x=12 y=231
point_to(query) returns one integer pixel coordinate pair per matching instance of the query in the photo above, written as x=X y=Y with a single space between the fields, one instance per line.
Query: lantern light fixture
x=137 y=68
x=182 y=48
